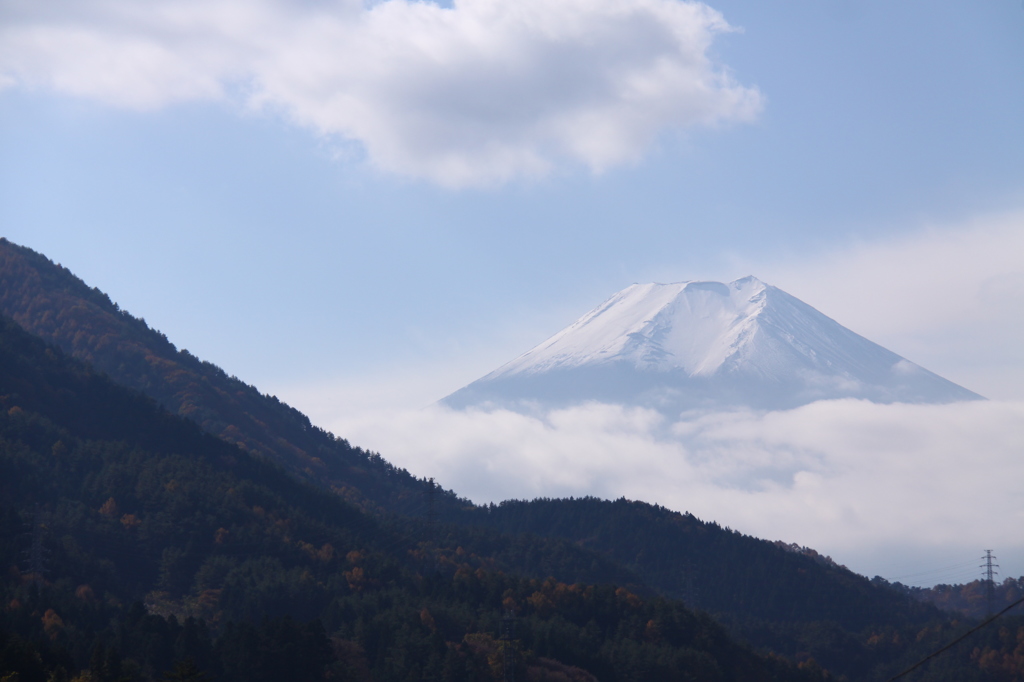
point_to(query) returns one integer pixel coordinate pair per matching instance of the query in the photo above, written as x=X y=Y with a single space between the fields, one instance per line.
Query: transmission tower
x=990 y=583
x=508 y=645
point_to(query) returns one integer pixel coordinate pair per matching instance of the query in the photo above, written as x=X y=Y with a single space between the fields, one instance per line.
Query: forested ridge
x=52 y=303
x=970 y=599
x=169 y=549
x=791 y=601
x=230 y=544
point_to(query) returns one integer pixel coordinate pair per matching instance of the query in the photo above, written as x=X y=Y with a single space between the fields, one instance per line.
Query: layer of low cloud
x=904 y=491
x=850 y=478
x=475 y=94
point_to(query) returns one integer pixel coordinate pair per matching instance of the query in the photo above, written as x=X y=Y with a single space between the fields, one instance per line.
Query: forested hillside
x=50 y=302
x=770 y=594
x=970 y=599
x=168 y=549
x=231 y=509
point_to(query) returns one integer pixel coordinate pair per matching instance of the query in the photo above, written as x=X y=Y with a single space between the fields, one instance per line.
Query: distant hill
x=705 y=345
x=52 y=303
x=776 y=596
x=971 y=599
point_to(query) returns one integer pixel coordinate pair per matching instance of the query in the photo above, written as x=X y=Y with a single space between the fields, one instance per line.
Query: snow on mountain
x=694 y=345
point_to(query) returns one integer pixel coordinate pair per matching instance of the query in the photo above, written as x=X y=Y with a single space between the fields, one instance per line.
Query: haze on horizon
x=361 y=208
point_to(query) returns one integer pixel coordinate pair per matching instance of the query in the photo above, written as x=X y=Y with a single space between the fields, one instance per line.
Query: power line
x=954 y=568
x=955 y=641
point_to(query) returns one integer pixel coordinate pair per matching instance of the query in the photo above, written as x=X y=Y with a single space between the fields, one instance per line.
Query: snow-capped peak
x=696 y=343
x=693 y=326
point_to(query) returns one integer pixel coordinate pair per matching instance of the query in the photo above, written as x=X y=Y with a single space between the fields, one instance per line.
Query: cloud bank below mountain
x=882 y=488
x=889 y=489
x=477 y=93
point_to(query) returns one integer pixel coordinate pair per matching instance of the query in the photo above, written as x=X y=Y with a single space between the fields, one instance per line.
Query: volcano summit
x=705 y=345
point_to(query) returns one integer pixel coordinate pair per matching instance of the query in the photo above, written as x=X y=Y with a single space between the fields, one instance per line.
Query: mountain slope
x=573 y=541
x=706 y=344
x=50 y=302
x=127 y=502
x=771 y=595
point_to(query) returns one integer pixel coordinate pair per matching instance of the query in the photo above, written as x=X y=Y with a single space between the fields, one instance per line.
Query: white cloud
x=897 y=490
x=886 y=489
x=475 y=94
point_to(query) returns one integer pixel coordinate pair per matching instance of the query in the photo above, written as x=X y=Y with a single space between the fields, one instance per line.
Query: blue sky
x=350 y=205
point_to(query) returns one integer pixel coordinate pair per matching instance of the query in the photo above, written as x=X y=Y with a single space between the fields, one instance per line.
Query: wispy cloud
x=847 y=477
x=473 y=94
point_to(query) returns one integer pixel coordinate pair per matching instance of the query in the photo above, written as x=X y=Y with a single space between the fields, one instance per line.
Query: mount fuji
x=705 y=345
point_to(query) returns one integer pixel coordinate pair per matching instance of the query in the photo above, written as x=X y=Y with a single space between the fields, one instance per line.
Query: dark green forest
x=970 y=599
x=169 y=551
x=162 y=520
x=50 y=302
